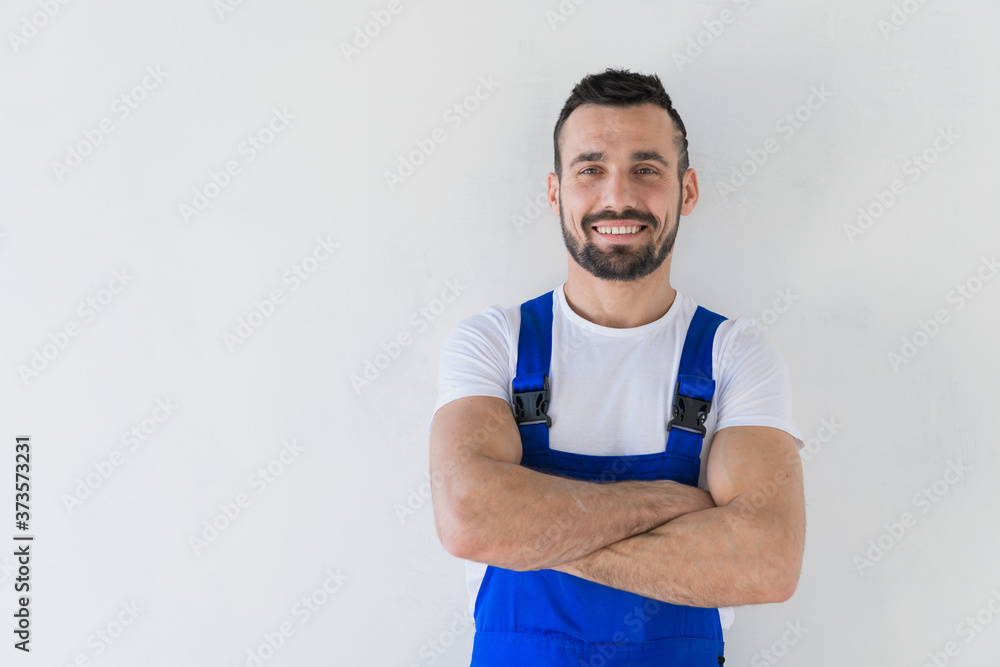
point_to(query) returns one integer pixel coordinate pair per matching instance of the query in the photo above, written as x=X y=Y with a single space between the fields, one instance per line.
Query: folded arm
x=490 y=509
x=747 y=550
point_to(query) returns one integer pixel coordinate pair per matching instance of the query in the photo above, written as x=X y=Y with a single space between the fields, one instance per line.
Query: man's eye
x=594 y=170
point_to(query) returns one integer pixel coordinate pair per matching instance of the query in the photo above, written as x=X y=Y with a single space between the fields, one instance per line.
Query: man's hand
x=747 y=550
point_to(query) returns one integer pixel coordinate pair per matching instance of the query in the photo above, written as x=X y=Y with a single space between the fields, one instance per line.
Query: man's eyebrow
x=637 y=156
x=650 y=156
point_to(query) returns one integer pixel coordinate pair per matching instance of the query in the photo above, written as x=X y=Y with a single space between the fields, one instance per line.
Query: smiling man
x=617 y=465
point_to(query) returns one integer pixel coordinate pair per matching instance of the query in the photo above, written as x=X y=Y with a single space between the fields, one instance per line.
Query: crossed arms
x=741 y=544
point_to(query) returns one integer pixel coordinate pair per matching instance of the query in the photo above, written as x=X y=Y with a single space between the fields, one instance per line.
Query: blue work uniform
x=554 y=619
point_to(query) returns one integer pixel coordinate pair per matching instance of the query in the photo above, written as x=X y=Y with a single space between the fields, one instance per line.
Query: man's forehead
x=595 y=128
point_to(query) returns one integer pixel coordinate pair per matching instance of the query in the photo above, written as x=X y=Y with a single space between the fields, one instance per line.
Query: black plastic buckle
x=689 y=413
x=531 y=407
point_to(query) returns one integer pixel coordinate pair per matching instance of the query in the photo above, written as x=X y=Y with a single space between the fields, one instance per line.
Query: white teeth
x=617 y=230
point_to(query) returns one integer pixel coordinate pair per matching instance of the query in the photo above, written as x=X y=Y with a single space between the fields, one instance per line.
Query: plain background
x=464 y=215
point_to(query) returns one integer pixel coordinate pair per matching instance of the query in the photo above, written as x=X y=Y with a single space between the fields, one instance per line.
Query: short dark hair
x=622 y=88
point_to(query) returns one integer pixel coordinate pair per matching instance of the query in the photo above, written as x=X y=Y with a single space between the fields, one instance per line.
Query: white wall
x=334 y=506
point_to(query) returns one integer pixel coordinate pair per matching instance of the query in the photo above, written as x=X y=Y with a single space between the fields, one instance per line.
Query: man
x=622 y=463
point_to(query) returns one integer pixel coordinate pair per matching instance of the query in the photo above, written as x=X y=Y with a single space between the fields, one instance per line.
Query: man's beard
x=621 y=263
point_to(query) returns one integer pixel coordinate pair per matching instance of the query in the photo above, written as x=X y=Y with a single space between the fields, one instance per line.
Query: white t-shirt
x=612 y=389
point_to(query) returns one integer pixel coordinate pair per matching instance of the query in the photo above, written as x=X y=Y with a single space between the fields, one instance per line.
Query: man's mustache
x=641 y=217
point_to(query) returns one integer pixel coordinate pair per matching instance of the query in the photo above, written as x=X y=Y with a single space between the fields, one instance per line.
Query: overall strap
x=695 y=386
x=531 y=381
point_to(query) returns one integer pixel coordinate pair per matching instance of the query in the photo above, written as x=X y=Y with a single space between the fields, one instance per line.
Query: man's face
x=620 y=171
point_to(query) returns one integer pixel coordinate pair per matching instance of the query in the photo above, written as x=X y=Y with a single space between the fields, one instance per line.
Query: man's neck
x=619 y=305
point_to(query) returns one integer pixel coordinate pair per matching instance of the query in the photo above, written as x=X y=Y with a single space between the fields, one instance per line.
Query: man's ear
x=689 y=191
x=553 y=193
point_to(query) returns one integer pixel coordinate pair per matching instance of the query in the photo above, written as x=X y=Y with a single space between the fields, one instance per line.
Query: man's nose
x=618 y=194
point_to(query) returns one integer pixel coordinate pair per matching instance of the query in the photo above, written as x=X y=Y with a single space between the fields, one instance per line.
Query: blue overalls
x=552 y=619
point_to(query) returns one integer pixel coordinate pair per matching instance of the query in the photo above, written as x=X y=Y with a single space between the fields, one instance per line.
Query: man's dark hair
x=622 y=88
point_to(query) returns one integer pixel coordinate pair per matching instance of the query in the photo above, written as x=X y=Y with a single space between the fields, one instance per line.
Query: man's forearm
x=521 y=519
x=722 y=556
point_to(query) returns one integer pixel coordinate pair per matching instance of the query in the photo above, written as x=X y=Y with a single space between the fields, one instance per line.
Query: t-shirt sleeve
x=476 y=359
x=756 y=389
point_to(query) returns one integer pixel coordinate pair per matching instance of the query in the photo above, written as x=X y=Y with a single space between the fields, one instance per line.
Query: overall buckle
x=689 y=413
x=531 y=407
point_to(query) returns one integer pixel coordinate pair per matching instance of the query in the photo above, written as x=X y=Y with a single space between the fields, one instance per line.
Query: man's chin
x=622 y=264
x=616 y=273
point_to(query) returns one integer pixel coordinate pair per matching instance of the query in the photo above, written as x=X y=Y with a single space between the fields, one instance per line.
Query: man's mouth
x=617 y=230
